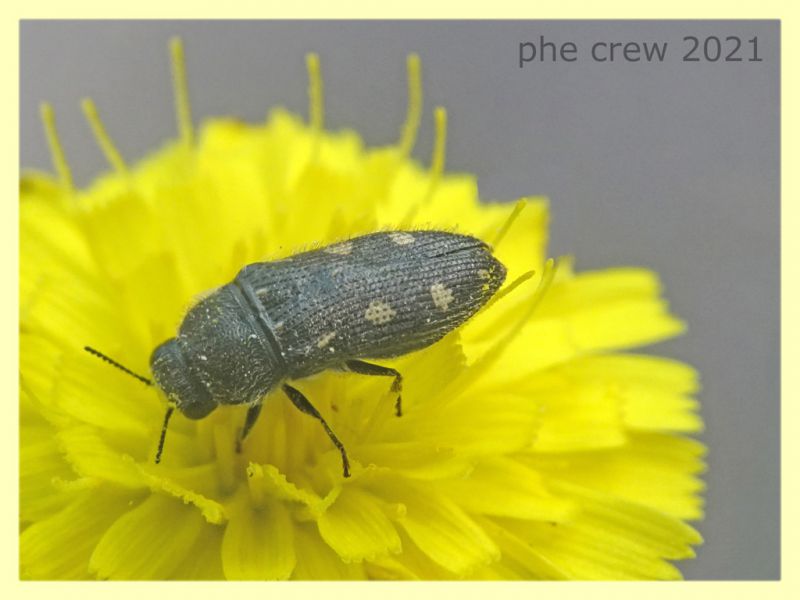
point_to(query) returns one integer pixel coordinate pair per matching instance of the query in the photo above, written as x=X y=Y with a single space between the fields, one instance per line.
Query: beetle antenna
x=114 y=363
x=163 y=433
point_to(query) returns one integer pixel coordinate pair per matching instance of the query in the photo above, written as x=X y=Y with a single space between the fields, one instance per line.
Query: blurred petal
x=41 y=467
x=318 y=561
x=356 y=527
x=610 y=539
x=203 y=560
x=654 y=470
x=508 y=489
x=134 y=548
x=60 y=546
x=442 y=530
x=258 y=541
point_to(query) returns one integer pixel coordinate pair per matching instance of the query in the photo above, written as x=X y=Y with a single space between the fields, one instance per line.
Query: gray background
x=674 y=166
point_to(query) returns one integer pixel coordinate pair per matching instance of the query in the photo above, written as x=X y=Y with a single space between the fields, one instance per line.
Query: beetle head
x=180 y=385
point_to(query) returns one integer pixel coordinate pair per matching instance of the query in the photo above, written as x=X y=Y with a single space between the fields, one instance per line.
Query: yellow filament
x=56 y=150
x=550 y=268
x=508 y=289
x=518 y=207
x=414 y=112
x=315 y=93
x=113 y=156
x=437 y=165
x=183 y=109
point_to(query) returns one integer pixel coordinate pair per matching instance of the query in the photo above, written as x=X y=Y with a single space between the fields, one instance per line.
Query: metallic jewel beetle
x=376 y=296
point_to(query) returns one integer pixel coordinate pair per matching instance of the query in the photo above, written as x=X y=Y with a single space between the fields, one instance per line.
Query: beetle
x=376 y=296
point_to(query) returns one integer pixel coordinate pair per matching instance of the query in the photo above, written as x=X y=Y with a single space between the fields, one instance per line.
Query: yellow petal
x=153 y=299
x=412 y=565
x=258 y=542
x=92 y=456
x=318 y=561
x=274 y=483
x=656 y=470
x=159 y=480
x=520 y=558
x=203 y=561
x=425 y=377
x=507 y=421
x=417 y=460
x=654 y=392
x=41 y=464
x=577 y=416
x=74 y=315
x=39 y=367
x=92 y=392
x=59 y=547
x=42 y=253
x=441 y=529
x=391 y=569
x=145 y=542
x=357 y=528
x=612 y=309
x=610 y=539
x=504 y=487
x=426 y=373
x=105 y=207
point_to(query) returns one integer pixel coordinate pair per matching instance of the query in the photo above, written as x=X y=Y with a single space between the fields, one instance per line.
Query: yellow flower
x=532 y=446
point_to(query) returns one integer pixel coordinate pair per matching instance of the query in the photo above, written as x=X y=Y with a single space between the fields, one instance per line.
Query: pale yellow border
x=496 y=9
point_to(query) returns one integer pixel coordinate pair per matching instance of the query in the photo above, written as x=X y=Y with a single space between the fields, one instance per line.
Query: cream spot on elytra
x=379 y=312
x=484 y=273
x=401 y=238
x=343 y=248
x=326 y=339
x=442 y=296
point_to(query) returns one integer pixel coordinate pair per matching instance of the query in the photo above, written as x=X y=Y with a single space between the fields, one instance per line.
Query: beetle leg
x=250 y=420
x=365 y=368
x=302 y=403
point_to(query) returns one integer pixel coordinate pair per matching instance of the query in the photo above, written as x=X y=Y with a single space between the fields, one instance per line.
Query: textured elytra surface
x=376 y=296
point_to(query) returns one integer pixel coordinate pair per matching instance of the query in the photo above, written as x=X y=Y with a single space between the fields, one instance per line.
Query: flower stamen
x=439 y=150
x=102 y=138
x=518 y=207
x=183 y=109
x=414 y=111
x=437 y=164
x=508 y=289
x=56 y=150
x=316 y=102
